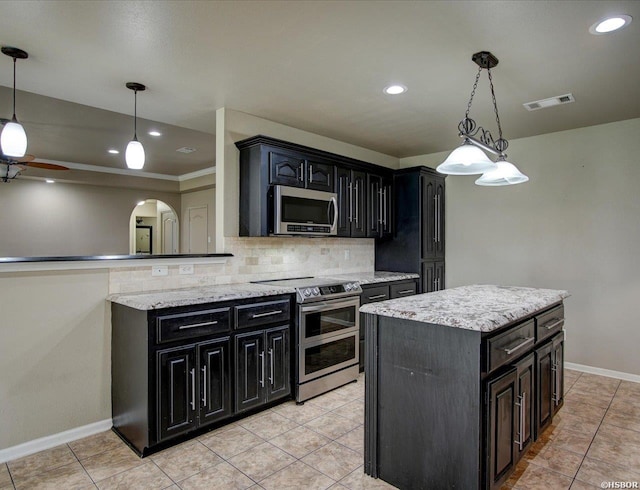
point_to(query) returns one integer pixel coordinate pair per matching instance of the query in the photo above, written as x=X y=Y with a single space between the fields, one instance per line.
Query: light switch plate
x=185 y=269
x=160 y=270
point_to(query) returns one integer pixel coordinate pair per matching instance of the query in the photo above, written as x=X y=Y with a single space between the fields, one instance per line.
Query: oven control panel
x=330 y=291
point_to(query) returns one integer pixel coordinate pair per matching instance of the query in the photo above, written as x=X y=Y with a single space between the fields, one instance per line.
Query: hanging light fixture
x=469 y=158
x=13 y=139
x=134 y=156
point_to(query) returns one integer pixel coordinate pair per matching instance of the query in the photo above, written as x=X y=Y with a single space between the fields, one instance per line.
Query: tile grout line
x=83 y=468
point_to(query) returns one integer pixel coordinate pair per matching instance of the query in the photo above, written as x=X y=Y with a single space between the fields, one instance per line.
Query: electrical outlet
x=185 y=269
x=160 y=270
x=347 y=254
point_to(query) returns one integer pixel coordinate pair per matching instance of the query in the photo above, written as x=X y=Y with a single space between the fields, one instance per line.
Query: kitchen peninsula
x=459 y=383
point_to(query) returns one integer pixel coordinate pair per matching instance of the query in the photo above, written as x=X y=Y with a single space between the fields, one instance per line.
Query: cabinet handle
x=377 y=296
x=268 y=313
x=350 y=186
x=522 y=405
x=301 y=168
x=310 y=174
x=271 y=367
x=556 y=383
x=384 y=206
x=193 y=389
x=194 y=325
x=357 y=210
x=439 y=218
x=510 y=350
x=554 y=322
x=380 y=200
x=405 y=291
x=262 y=370
x=204 y=386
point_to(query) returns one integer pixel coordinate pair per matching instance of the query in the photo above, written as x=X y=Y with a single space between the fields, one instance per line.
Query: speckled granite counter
x=479 y=307
x=375 y=277
x=192 y=296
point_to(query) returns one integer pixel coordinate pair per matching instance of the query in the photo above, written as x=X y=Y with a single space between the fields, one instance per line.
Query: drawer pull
x=405 y=291
x=268 y=313
x=554 y=322
x=524 y=342
x=194 y=325
x=377 y=296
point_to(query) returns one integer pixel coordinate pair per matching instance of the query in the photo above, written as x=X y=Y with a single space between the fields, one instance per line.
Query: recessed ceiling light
x=50 y=181
x=154 y=133
x=140 y=203
x=395 y=89
x=186 y=149
x=610 y=24
x=113 y=151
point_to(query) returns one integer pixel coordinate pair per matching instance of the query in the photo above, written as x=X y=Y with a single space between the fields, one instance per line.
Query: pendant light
x=134 y=155
x=469 y=158
x=13 y=139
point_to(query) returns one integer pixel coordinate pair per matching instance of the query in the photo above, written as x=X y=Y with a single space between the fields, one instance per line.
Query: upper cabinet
x=363 y=190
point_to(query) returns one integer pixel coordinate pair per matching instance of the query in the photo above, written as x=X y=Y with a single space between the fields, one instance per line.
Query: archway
x=153 y=229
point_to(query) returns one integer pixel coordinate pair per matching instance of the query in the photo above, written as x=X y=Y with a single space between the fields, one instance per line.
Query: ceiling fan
x=11 y=167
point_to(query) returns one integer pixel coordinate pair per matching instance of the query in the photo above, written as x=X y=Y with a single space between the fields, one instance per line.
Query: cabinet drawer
x=192 y=324
x=402 y=289
x=549 y=323
x=256 y=314
x=510 y=344
x=371 y=295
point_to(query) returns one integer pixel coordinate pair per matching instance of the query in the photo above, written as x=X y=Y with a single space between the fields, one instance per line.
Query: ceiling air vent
x=551 y=101
x=186 y=149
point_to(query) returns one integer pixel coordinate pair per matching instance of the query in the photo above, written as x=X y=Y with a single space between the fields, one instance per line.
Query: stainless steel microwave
x=304 y=212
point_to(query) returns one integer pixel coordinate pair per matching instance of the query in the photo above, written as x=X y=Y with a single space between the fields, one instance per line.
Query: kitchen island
x=459 y=383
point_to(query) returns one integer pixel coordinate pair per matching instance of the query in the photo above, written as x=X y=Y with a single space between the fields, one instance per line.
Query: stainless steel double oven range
x=327 y=334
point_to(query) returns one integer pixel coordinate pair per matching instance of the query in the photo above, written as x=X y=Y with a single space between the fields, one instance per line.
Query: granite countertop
x=374 y=277
x=479 y=307
x=153 y=300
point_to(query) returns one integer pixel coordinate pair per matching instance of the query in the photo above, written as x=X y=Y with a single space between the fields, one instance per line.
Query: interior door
x=198 y=230
x=169 y=233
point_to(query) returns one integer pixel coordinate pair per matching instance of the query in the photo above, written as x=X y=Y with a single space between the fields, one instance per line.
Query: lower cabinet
x=262 y=367
x=432 y=276
x=549 y=380
x=178 y=370
x=193 y=386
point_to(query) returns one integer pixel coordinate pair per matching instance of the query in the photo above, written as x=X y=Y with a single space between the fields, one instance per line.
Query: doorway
x=157 y=220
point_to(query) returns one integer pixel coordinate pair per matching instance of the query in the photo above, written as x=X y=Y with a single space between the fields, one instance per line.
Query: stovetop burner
x=317 y=288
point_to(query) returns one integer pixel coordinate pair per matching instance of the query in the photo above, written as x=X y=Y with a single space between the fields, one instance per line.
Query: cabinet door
x=429 y=217
x=439 y=218
x=286 y=169
x=388 y=208
x=250 y=370
x=319 y=176
x=374 y=205
x=176 y=395
x=558 y=371
x=429 y=280
x=278 y=364
x=215 y=388
x=524 y=405
x=439 y=275
x=501 y=428
x=544 y=387
x=345 y=195
x=359 y=209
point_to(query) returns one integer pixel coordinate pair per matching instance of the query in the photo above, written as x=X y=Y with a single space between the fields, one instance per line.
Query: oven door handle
x=322 y=306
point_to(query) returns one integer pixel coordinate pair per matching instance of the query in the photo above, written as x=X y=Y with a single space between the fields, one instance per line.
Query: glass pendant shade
x=467 y=159
x=506 y=174
x=134 y=155
x=13 y=139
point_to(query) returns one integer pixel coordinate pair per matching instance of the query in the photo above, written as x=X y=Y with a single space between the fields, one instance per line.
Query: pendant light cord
x=135 y=115
x=473 y=92
x=495 y=104
x=14 y=89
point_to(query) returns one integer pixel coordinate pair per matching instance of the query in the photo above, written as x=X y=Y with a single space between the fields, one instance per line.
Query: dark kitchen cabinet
x=262 y=367
x=524 y=403
x=418 y=243
x=557 y=351
x=544 y=386
x=351 y=188
x=379 y=206
x=294 y=170
x=176 y=371
x=176 y=391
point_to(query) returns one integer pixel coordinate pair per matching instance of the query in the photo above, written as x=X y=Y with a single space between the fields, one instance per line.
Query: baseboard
x=53 y=440
x=603 y=372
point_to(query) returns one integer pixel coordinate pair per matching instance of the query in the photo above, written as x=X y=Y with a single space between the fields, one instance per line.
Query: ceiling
x=315 y=65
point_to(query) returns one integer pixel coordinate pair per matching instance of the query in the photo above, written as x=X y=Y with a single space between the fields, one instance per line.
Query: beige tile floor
x=594 y=438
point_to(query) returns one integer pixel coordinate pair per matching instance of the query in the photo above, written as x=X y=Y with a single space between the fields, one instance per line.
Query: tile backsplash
x=256 y=259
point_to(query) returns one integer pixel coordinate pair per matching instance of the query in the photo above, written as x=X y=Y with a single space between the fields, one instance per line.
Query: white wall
x=574 y=226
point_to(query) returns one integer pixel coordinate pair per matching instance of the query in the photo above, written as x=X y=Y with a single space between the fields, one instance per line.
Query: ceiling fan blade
x=25 y=159
x=48 y=166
